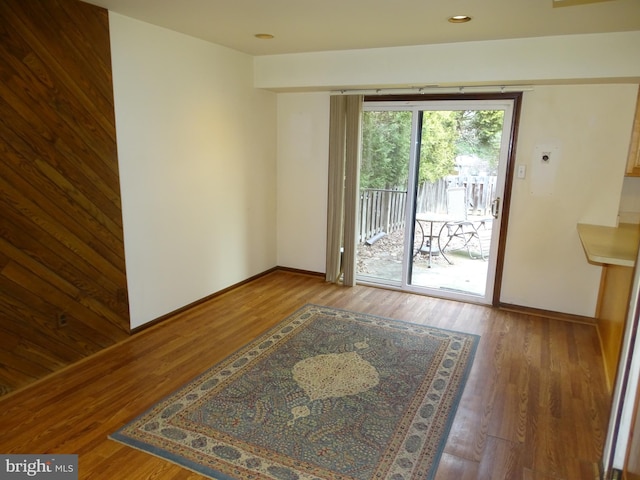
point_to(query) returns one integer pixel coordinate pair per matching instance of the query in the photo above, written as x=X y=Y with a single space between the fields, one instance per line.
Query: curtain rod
x=436 y=89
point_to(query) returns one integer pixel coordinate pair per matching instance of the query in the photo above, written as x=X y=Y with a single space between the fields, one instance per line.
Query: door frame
x=516 y=97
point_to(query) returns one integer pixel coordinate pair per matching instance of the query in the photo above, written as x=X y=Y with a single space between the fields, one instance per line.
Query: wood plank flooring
x=535 y=406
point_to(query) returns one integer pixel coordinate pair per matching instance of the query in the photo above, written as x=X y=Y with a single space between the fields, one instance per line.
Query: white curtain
x=344 y=181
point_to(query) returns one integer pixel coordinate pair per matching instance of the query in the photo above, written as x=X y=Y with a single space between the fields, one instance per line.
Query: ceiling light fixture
x=460 y=19
x=263 y=36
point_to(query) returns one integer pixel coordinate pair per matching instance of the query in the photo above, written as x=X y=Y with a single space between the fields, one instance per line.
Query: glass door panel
x=457 y=169
x=432 y=174
x=386 y=153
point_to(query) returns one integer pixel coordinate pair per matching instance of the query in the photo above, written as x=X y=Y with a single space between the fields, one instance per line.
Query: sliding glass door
x=432 y=180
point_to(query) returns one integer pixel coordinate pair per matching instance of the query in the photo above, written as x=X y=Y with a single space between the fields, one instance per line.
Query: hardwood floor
x=535 y=406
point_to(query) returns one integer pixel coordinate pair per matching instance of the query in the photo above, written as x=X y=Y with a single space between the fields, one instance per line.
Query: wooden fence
x=432 y=197
x=383 y=211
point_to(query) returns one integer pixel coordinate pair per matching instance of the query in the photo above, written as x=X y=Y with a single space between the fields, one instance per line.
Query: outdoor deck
x=382 y=261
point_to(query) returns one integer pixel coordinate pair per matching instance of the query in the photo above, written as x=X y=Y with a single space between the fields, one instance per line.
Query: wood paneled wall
x=62 y=269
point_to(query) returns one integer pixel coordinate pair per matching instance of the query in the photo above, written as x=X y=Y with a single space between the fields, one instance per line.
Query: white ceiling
x=320 y=25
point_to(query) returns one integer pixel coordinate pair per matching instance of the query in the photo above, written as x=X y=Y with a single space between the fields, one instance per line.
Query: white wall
x=303 y=140
x=589 y=124
x=545 y=266
x=579 y=58
x=208 y=202
x=197 y=158
x=630 y=200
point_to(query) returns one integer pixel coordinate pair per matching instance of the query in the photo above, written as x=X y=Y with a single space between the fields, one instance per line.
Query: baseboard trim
x=200 y=301
x=504 y=306
x=172 y=314
x=298 y=271
x=566 y=317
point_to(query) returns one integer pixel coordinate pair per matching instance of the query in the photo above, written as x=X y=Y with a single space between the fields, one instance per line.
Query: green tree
x=445 y=135
x=480 y=134
x=438 y=145
x=386 y=146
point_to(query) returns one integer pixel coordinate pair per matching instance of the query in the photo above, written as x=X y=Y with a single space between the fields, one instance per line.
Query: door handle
x=495 y=207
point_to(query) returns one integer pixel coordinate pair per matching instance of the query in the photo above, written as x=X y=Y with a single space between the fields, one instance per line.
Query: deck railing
x=383 y=211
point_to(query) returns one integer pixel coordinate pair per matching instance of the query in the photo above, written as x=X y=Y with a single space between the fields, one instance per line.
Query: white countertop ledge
x=610 y=245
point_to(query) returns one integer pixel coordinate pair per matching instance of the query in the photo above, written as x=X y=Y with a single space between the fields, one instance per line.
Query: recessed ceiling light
x=263 y=36
x=460 y=19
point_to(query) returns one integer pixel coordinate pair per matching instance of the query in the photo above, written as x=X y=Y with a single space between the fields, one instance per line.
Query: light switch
x=522 y=171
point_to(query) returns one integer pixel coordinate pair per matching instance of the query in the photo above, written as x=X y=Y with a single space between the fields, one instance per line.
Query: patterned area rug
x=327 y=394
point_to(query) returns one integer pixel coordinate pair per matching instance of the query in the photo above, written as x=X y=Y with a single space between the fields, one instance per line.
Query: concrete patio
x=382 y=262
